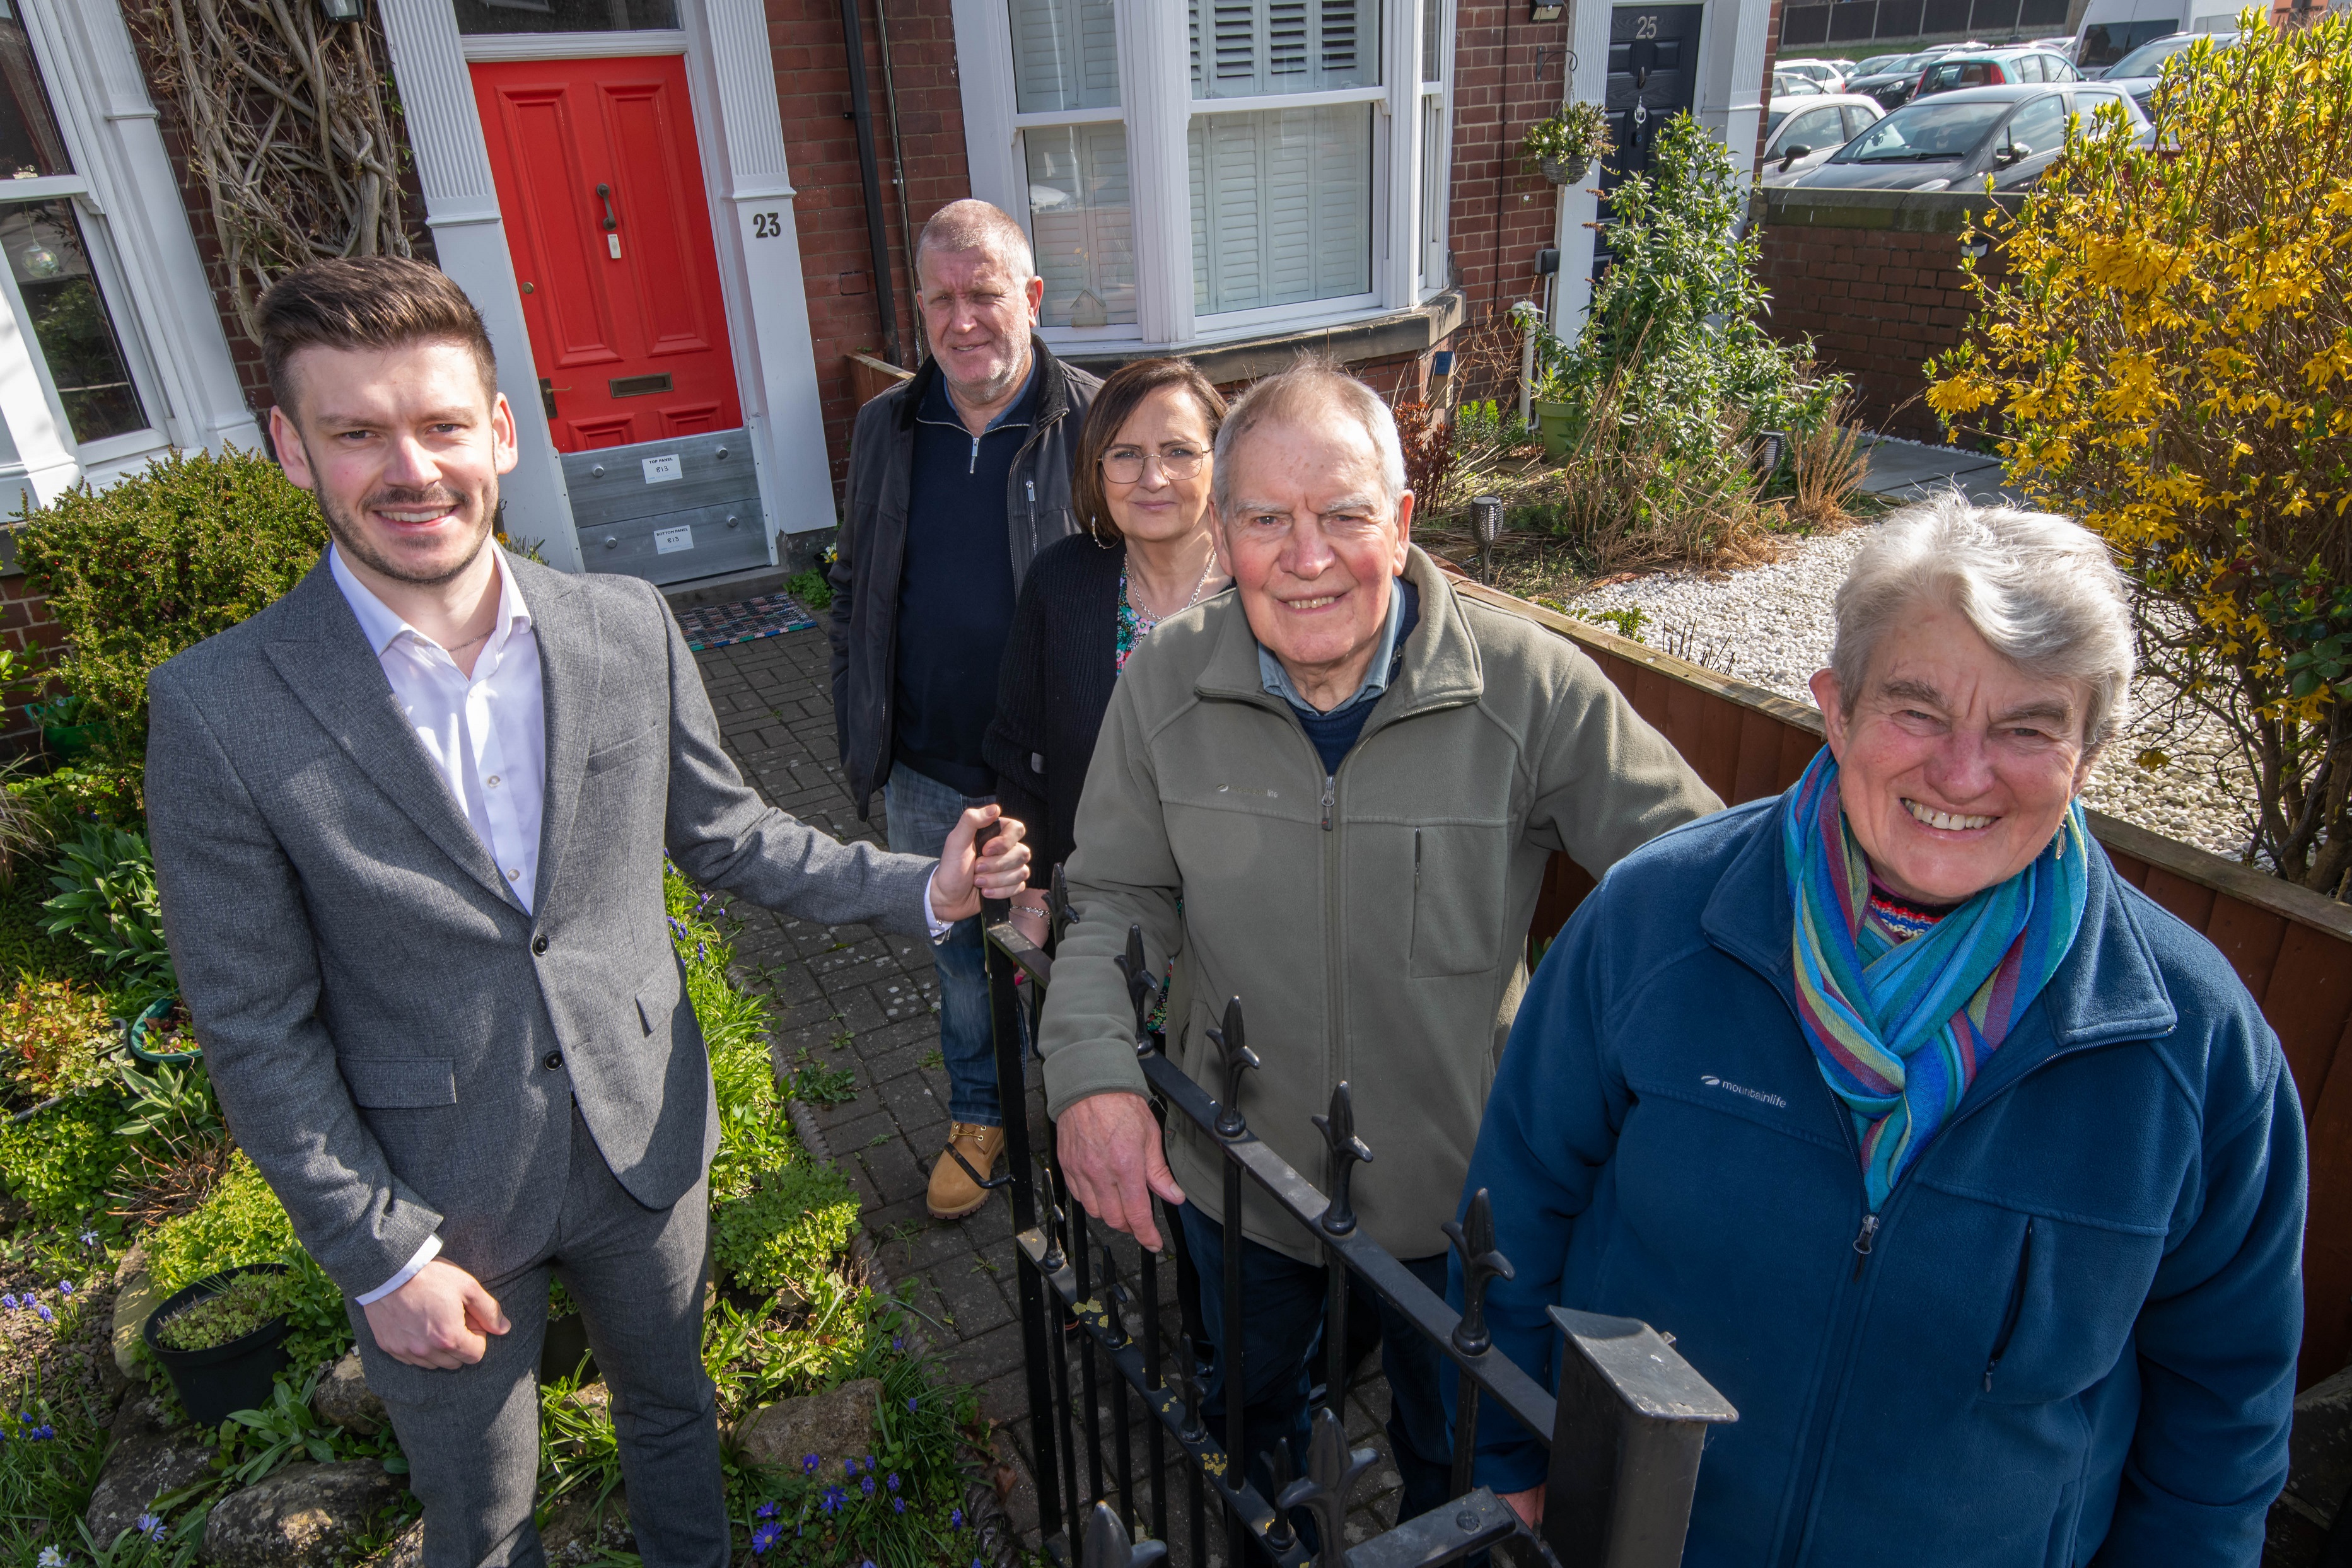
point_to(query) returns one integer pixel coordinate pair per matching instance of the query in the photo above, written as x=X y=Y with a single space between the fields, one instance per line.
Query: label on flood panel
x=661 y=470
x=669 y=541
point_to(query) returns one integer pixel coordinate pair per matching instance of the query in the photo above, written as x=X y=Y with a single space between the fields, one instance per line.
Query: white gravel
x=1770 y=626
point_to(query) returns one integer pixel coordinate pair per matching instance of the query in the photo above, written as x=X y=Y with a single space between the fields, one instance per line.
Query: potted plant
x=1562 y=145
x=219 y=1339
x=162 y=1034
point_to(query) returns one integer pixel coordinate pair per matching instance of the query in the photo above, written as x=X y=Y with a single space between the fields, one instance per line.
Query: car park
x=1892 y=85
x=1958 y=140
x=1802 y=136
x=1993 y=67
x=1828 y=74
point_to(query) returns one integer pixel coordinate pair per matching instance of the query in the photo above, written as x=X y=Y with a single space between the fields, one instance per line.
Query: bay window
x=1212 y=168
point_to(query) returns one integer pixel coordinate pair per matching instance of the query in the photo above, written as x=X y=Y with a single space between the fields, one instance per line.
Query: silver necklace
x=1145 y=621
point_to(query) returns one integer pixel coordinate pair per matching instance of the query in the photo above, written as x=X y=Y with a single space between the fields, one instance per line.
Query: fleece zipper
x=2016 y=1304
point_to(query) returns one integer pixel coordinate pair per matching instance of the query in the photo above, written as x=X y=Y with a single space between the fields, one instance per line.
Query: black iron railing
x=1623 y=1436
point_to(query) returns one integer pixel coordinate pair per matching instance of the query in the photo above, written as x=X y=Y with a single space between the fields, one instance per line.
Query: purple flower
x=765 y=1537
x=808 y=1464
x=865 y=1485
x=9 y=1303
x=898 y=1342
x=46 y=1316
x=765 y=1511
x=955 y=1519
x=64 y=1287
x=833 y=1499
x=849 y=1466
x=910 y=1407
x=151 y=1527
x=90 y=1237
x=894 y=1480
x=898 y=1505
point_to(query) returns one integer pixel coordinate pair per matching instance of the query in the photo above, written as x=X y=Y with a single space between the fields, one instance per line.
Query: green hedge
x=159 y=561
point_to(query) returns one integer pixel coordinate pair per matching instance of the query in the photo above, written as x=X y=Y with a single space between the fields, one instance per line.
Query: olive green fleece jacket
x=1370 y=921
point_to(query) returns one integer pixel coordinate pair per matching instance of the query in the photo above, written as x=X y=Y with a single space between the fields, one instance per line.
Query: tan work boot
x=954 y=1192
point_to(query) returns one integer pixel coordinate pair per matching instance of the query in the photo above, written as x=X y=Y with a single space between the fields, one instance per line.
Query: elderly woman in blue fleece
x=1972 y=1177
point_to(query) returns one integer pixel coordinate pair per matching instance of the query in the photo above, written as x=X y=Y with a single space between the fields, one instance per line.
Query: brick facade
x=1873 y=278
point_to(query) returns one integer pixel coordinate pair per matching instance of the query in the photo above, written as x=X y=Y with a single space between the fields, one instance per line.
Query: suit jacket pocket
x=406 y=1082
x=622 y=752
x=658 y=996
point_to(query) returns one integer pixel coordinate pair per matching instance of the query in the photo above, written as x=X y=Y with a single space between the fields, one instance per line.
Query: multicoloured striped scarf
x=1901 y=1027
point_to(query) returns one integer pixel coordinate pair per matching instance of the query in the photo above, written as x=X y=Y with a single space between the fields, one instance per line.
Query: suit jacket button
x=554 y=1060
x=539 y=943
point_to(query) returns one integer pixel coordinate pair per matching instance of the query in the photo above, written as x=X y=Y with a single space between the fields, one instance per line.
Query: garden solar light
x=1485 y=519
x=1769 y=448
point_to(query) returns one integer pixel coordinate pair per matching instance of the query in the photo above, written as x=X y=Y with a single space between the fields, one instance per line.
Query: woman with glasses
x=1141 y=491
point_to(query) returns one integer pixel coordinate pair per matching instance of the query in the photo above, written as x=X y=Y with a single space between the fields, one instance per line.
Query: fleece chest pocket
x=1458 y=881
x=2062 y=1310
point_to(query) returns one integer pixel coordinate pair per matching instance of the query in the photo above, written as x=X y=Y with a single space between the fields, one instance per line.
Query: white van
x=2113 y=28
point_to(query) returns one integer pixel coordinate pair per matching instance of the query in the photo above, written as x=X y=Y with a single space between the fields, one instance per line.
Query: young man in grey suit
x=409 y=824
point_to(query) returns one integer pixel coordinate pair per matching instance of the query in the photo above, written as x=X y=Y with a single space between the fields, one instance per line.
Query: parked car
x=1872 y=67
x=1830 y=74
x=1803 y=136
x=2110 y=29
x=1786 y=86
x=2138 y=72
x=1957 y=139
x=1892 y=85
x=1994 y=68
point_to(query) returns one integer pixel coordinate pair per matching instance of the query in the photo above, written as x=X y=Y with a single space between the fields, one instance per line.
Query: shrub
x=790 y=1223
x=52 y=1032
x=1677 y=318
x=106 y=900
x=58 y=1164
x=159 y=561
x=243 y=1222
x=2168 y=358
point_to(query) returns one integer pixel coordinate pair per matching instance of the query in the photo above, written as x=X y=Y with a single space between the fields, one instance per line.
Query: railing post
x=1011 y=1093
x=1474 y=1244
x=1631 y=1417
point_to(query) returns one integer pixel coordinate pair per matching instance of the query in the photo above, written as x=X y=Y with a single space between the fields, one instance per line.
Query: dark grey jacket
x=872 y=548
x=396 y=1042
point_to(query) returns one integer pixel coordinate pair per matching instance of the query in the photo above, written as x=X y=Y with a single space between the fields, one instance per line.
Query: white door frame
x=739 y=130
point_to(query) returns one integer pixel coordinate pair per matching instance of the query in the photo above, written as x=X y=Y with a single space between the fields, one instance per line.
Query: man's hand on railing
x=1529 y=1504
x=969 y=871
x=1110 y=1148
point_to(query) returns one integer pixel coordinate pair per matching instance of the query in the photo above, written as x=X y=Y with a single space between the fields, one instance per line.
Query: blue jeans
x=1282 y=1336
x=921 y=812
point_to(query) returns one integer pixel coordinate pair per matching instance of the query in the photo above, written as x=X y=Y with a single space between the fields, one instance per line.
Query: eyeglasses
x=1124 y=464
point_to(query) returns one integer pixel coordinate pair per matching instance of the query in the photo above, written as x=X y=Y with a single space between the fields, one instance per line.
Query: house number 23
x=765 y=225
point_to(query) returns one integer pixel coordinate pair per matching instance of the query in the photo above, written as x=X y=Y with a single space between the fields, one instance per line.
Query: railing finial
x=1142 y=990
x=1057 y=904
x=1049 y=1220
x=1115 y=1294
x=1190 y=1388
x=1332 y=1474
x=1107 y=1544
x=1237 y=1058
x=1474 y=1244
x=1278 y=1533
x=1347 y=1151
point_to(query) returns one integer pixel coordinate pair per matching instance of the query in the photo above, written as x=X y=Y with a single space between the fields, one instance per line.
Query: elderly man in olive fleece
x=1331 y=792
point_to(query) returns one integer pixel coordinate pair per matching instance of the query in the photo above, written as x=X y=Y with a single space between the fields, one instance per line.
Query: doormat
x=717 y=625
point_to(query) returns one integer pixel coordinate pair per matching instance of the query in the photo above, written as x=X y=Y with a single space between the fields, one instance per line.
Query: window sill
x=1389 y=335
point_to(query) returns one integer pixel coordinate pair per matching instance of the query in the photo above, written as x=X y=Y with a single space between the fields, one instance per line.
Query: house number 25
x=1645 y=27
x=765 y=225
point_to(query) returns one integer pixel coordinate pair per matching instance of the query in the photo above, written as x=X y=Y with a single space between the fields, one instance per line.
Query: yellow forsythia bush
x=2166 y=356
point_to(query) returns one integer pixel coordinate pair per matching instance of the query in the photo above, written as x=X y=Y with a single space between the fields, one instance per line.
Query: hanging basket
x=1565 y=171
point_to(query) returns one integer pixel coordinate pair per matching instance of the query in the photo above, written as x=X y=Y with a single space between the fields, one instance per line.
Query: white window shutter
x=1282 y=206
x=1065 y=55
x=1256 y=46
x=1082 y=224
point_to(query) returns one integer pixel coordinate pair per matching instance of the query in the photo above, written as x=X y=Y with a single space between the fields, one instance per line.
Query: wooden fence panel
x=2291 y=947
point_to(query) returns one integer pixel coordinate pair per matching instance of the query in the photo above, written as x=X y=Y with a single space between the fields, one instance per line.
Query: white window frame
x=144 y=262
x=1157 y=108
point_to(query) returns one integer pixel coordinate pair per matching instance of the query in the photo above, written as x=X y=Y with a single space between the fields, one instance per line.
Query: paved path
x=850 y=1002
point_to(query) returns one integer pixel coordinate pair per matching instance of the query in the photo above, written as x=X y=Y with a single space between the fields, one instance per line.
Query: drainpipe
x=899 y=176
x=869 y=176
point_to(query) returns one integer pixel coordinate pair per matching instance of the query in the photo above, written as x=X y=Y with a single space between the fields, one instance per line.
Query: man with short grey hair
x=1332 y=792
x=958 y=478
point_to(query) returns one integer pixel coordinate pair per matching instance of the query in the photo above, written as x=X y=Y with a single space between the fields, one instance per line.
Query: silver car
x=1802 y=134
x=1954 y=140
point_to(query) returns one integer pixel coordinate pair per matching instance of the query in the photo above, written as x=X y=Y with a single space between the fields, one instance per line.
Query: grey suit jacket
x=396 y=1042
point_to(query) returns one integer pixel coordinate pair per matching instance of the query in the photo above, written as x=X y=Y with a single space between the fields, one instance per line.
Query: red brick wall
x=813 y=89
x=1499 y=216
x=1876 y=304
x=26 y=626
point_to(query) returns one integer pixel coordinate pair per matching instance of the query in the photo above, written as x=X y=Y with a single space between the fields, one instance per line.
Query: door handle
x=605 y=194
x=547 y=391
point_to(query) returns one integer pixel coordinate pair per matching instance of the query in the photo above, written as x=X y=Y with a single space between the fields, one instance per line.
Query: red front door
x=601 y=191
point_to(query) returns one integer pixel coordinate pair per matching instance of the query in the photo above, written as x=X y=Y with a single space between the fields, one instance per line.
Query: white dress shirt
x=486 y=735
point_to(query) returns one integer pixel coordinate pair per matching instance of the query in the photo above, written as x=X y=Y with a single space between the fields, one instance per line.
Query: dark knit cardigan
x=1053 y=688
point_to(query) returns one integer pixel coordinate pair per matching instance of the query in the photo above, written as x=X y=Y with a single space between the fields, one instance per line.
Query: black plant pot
x=233 y=1376
x=560 y=1352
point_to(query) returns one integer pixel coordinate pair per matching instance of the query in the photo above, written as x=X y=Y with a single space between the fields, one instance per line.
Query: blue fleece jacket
x=2074 y=1334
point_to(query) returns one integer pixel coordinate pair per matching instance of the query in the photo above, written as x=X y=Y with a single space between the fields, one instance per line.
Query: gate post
x=1631 y=1417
